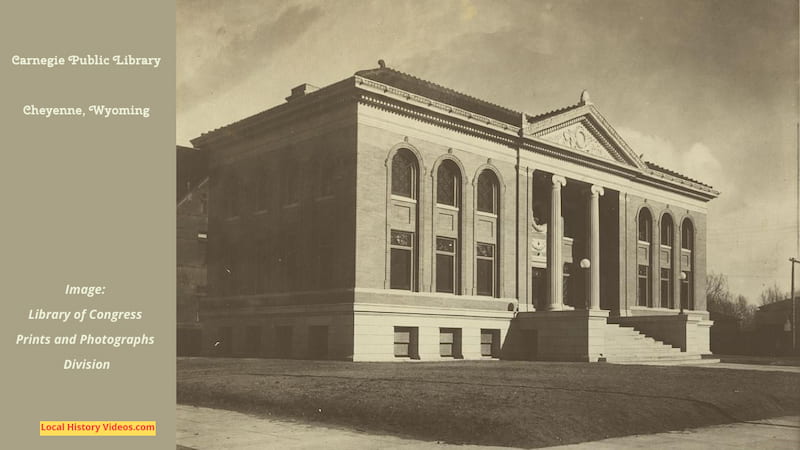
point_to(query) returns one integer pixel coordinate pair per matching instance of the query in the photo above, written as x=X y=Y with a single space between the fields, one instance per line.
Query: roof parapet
x=301 y=91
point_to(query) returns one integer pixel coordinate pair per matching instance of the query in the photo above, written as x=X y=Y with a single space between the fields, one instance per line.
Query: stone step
x=675 y=362
x=638 y=344
x=635 y=343
x=641 y=351
x=625 y=345
x=645 y=357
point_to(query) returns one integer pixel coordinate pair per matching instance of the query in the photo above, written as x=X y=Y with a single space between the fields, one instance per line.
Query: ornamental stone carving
x=580 y=138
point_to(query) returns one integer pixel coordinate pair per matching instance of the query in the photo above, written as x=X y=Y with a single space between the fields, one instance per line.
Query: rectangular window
x=446 y=273
x=405 y=342
x=283 y=341
x=318 y=342
x=485 y=269
x=666 y=288
x=253 y=340
x=490 y=343
x=402 y=260
x=450 y=342
x=643 y=291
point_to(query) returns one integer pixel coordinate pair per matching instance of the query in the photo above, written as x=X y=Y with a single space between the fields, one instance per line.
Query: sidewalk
x=759 y=367
x=205 y=428
x=777 y=433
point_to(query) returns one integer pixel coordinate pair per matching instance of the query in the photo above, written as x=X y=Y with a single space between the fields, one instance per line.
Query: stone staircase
x=625 y=345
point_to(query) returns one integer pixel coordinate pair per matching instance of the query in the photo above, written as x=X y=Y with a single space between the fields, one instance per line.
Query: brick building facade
x=191 y=237
x=385 y=217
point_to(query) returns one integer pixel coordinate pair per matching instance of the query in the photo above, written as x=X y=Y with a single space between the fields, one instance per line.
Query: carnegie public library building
x=385 y=217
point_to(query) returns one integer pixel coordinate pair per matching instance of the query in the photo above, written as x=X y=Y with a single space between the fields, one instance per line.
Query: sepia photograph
x=501 y=224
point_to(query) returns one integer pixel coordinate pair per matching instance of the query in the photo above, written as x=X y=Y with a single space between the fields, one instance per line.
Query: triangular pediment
x=580 y=137
x=584 y=131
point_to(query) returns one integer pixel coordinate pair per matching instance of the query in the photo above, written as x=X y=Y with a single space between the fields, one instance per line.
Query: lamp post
x=586 y=264
x=680 y=294
x=794 y=308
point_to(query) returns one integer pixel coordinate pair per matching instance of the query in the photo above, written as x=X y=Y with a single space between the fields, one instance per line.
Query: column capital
x=597 y=190
x=558 y=181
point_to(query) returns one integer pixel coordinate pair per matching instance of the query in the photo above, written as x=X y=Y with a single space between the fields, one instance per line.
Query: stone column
x=555 y=242
x=594 y=244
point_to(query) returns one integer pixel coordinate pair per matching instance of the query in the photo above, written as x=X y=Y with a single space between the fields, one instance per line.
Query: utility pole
x=794 y=309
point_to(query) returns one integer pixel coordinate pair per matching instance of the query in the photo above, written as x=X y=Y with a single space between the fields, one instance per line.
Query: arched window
x=448 y=182
x=687 y=235
x=448 y=203
x=644 y=257
x=487 y=192
x=403 y=236
x=404 y=174
x=687 y=264
x=488 y=206
x=667 y=233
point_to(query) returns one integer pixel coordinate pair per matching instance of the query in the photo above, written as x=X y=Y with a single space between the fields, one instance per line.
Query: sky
x=706 y=88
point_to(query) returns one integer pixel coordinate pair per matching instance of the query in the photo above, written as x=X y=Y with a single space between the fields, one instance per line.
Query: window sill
x=447 y=207
x=404 y=199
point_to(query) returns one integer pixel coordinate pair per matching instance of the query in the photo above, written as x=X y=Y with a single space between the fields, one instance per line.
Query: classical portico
x=599 y=271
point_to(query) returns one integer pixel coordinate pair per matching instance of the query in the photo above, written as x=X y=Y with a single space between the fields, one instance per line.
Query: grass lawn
x=524 y=404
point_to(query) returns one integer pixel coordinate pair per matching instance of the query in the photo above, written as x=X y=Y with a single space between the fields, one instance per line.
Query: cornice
x=525 y=136
x=433 y=105
x=437 y=119
x=672 y=184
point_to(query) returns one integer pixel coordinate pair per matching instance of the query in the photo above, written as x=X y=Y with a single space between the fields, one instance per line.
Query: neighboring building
x=192 y=226
x=727 y=335
x=386 y=217
x=772 y=328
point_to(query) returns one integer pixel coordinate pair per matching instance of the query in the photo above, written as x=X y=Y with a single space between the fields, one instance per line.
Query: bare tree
x=717 y=287
x=773 y=294
x=722 y=301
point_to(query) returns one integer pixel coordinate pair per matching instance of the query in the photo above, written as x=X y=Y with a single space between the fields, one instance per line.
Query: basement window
x=406 y=342
x=490 y=343
x=450 y=342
